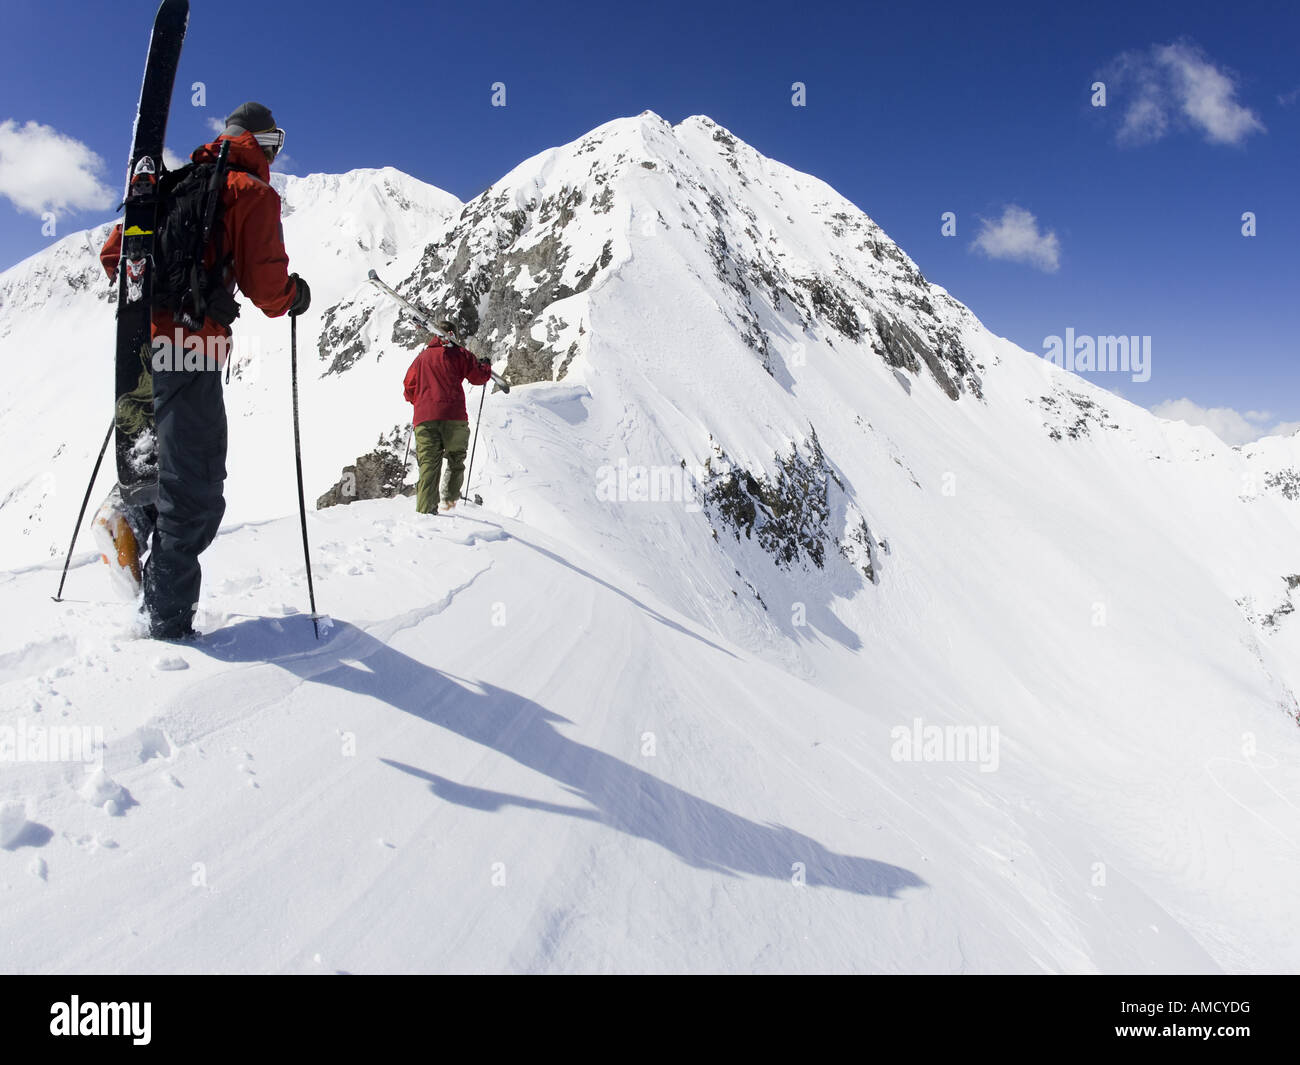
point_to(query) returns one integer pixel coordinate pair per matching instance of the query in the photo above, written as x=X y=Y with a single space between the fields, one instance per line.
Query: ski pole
x=470 y=472
x=82 y=512
x=297 y=458
x=406 y=460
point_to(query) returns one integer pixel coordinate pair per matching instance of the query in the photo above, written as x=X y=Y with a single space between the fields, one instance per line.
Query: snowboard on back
x=135 y=447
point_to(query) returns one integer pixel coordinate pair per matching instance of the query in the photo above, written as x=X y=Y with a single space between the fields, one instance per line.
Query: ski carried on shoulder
x=136 y=452
x=426 y=320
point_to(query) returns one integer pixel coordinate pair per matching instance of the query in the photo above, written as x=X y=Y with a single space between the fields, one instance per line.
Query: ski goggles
x=272 y=138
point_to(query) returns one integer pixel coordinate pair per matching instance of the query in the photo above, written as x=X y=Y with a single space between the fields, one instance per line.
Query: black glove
x=485 y=362
x=302 y=298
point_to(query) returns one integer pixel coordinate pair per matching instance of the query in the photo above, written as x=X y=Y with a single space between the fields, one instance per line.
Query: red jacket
x=433 y=383
x=254 y=240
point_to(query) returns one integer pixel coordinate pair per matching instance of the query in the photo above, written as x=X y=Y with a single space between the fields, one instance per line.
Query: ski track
x=609 y=860
x=564 y=733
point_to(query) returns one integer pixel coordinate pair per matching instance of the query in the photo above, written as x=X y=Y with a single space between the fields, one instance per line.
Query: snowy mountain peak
x=788 y=573
x=788 y=257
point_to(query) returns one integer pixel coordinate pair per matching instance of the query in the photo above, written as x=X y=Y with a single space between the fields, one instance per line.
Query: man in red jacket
x=189 y=413
x=434 y=385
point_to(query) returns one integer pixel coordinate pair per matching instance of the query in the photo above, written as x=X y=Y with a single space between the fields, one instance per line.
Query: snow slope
x=56 y=329
x=586 y=730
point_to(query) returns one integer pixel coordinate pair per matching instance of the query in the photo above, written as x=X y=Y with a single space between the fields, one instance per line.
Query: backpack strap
x=199 y=283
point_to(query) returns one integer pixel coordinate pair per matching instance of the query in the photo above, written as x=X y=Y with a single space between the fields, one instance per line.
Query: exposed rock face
x=379 y=474
x=339 y=345
x=791 y=515
x=1070 y=414
x=507 y=269
x=1286 y=482
x=497 y=273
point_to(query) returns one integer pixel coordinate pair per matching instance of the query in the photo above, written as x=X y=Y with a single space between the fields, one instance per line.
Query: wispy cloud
x=42 y=169
x=1231 y=426
x=1176 y=86
x=1016 y=237
x=216 y=124
x=1288 y=99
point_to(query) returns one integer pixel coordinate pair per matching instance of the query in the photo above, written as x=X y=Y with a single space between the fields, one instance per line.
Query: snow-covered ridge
x=765 y=506
x=56 y=341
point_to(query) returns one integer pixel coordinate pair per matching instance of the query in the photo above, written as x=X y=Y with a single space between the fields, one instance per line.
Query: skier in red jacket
x=188 y=408
x=434 y=383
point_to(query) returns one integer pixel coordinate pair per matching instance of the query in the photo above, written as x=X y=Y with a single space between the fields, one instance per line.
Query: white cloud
x=1015 y=236
x=172 y=161
x=1230 y=426
x=1288 y=99
x=217 y=125
x=1176 y=85
x=42 y=169
x=284 y=163
x=1144 y=121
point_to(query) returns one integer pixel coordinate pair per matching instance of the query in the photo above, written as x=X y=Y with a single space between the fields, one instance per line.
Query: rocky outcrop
x=1285 y=482
x=378 y=474
x=790 y=513
x=1070 y=414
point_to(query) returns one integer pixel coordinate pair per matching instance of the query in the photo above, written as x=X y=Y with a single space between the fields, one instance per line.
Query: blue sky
x=912 y=111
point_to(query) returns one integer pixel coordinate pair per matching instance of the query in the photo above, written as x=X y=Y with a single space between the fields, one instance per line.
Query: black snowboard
x=137 y=461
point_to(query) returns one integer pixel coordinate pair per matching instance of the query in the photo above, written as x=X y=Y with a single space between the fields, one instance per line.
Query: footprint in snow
x=170 y=664
x=92 y=843
x=13 y=822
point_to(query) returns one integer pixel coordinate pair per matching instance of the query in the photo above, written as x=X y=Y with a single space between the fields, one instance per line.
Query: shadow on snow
x=618 y=795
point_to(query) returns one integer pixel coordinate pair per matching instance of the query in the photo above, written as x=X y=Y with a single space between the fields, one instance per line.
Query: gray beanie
x=248 y=118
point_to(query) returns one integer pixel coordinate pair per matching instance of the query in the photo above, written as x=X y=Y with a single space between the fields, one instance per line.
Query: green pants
x=434 y=442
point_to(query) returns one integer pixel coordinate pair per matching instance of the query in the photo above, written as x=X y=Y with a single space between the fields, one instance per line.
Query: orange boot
x=118 y=546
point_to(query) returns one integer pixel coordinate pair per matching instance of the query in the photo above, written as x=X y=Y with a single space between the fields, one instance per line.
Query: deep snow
x=566 y=732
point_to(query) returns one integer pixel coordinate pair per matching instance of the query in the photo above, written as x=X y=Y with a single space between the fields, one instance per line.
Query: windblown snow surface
x=764 y=509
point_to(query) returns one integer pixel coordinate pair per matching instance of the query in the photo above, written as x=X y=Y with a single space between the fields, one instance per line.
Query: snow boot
x=119 y=545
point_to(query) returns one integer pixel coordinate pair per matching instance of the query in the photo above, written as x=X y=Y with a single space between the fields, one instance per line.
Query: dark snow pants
x=190 y=423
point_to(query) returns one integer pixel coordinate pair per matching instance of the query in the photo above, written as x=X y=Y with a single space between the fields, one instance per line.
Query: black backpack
x=188 y=222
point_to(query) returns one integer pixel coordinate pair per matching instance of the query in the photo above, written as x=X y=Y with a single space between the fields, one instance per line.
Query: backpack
x=188 y=222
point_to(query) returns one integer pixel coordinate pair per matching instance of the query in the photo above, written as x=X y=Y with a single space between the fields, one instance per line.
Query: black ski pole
x=297 y=458
x=82 y=512
x=470 y=472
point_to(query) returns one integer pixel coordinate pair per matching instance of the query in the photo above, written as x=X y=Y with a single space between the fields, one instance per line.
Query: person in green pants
x=435 y=386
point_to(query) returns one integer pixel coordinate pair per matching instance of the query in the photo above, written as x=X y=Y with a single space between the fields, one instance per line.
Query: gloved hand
x=484 y=361
x=302 y=298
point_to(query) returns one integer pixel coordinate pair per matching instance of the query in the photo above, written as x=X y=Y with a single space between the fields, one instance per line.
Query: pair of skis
x=135 y=450
x=426 y=321
x=136 y=447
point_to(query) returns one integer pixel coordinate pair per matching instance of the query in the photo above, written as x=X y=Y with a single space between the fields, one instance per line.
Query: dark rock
x=379 y=474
